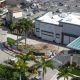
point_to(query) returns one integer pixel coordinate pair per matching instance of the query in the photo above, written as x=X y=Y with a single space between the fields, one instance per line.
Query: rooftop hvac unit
x=50 y=14
x=63 y=15
x=69 y=19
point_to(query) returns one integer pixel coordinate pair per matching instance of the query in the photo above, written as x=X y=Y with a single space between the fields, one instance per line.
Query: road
x=4 y=54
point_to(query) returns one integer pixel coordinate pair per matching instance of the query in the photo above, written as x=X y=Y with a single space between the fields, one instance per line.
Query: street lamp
x=17 y=33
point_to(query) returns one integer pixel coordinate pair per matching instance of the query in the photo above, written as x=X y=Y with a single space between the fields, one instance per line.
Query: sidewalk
x=39 y=43
x=50 y=74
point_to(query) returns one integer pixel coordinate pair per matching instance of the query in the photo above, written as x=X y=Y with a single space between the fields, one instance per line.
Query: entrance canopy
x=75 y=44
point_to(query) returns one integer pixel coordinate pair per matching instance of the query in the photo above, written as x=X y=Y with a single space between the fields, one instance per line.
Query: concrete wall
x=71 y=29
x=48 y=31
x=48 y=28
x=13 y=2
x=37 y=29
x=70 y=32
x=58 y=30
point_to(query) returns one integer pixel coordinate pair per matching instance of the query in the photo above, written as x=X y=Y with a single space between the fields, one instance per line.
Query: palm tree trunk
x=64 y=78
x=43 y=75
x=17 y=39
x=25 y=39
x=20 y=76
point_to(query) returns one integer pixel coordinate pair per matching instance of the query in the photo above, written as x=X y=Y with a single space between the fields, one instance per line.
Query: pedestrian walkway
x=4 y=56
x=50 y=73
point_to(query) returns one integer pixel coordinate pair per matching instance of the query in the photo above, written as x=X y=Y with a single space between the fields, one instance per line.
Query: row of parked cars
x=12 y=48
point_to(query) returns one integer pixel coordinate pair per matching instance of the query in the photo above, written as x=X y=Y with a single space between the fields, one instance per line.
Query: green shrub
x=10 y=41
x=8 y=73
x=71 y=69
x=1 y=24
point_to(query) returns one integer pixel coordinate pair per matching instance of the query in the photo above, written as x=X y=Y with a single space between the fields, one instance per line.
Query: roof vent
x=52 y=17
x=63 y=15
x=69 y=19
x=50 y=14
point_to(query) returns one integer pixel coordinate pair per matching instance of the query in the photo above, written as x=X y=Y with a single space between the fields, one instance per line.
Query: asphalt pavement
x=4 y=54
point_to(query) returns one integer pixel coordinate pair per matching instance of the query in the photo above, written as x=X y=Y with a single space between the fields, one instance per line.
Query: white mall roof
x=51 y=18
x=73 y=18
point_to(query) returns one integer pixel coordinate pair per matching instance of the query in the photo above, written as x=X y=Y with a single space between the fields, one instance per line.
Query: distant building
x=13 y=2
x=62 y=28
x=3 y=10
x=13 y=14
x=2 y=3
x=36 y=0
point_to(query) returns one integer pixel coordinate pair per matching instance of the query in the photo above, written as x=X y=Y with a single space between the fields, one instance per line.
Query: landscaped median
x=69 y=70
x=75 y=72
x=10 y=45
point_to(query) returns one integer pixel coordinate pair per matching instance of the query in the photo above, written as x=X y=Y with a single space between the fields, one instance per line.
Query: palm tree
x=12 y=26
x=44 y=64
x=63 y=72
x=19 y=31
x=16 y=26
x=21 y=64
x=26 y=25
x=25 y=57
x=21 y=67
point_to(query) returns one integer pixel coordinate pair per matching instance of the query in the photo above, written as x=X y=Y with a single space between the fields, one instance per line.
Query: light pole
x=71 y=59
x=58 y=47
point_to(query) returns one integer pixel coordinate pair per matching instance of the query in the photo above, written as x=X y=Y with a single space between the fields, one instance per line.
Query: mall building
x=60 y=28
